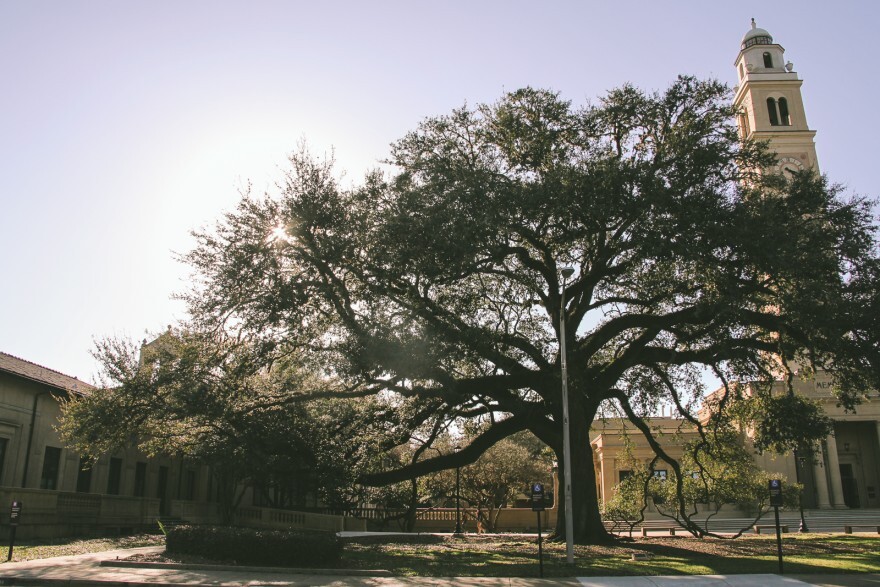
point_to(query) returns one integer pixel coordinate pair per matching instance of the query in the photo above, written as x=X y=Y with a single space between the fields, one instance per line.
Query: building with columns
x=844 y=472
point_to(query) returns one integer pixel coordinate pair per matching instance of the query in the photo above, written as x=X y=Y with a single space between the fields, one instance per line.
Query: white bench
x=849 y=529
x=783 y=527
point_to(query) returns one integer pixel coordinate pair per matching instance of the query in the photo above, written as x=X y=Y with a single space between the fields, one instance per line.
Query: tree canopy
x=435 y=286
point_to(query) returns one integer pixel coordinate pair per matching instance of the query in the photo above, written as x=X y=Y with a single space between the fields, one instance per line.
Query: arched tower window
x=784 y=118
x=768 y=60
x=744 y=125
x=771 y=109
x=778 y=111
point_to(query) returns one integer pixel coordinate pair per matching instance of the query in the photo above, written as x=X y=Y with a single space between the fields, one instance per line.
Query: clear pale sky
x=127 y=124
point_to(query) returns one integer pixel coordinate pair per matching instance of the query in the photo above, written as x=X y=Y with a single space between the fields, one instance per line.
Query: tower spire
x=769 y=101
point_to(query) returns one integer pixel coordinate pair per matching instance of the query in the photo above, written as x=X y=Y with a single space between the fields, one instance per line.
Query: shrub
x=255 y=547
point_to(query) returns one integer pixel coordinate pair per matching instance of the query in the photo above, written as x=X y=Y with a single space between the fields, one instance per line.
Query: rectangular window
x=84 y=476
x=114 y=478
x=140 y=479
x=3 y=443
x=623 y=475
x=51 y=468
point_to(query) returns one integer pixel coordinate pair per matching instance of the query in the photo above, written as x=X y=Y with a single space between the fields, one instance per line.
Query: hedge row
x=256 y=547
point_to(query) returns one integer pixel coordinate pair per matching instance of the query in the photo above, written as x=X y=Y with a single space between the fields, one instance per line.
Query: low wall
x=269 y=518
x=194 y=512
x=54 y=514
x=509 y=520
x=285 y=520
x=443 y=519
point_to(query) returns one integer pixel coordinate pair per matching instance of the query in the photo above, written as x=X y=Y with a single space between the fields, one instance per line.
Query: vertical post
x=11 y=543
x=540 y=549
x=566 y=437
x=802 y=529
x=457 y=495
x=778 y=537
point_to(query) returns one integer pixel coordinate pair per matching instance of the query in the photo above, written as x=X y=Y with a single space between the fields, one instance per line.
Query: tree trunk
x=587 y=521
x=413 y=506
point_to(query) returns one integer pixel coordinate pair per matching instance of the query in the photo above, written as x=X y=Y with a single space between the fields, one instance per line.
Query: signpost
x=538 y=507
x=14 y=517
x=775 y=487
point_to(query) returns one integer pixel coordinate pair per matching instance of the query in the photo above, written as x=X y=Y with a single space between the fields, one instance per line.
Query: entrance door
x=850 y=486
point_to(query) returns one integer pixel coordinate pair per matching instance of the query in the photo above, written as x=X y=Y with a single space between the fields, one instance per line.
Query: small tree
x=501 y=474
x=712 y=473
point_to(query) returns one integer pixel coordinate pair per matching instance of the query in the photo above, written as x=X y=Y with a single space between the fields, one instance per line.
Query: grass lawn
x=26 y=550
x=517 y=556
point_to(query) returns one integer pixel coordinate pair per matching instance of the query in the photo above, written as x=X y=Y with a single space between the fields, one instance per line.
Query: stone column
x=820 y=479
x=834 y=474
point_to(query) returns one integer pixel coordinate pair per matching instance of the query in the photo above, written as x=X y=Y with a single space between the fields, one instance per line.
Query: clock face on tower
x=789 y=165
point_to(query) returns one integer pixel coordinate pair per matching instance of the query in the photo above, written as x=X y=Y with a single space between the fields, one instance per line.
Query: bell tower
x=768 y=99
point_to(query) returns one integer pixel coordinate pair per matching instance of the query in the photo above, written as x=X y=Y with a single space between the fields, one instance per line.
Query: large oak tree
x=436 y=285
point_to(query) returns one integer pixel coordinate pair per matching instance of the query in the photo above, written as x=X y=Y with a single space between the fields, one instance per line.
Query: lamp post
x=566 y=438
x=457 y=494
x=797 y=476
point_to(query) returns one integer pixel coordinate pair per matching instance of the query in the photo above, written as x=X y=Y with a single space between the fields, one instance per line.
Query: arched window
x=771 y=109
x=768 y=60
x=784 y=118
x=778 y=111
x=744 y=125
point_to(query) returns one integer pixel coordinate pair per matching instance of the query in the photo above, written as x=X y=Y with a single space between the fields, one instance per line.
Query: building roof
x=44 y=375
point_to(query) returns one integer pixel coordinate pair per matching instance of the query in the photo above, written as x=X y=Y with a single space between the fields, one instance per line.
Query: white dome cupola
x=756 y=36
x=759 y=54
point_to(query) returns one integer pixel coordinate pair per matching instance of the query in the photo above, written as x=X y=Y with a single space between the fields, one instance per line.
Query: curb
x=246 y=569
x=23 y=581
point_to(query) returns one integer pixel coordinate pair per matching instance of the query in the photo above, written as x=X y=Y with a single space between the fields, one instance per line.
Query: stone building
x=64 y=494
x=845 y=472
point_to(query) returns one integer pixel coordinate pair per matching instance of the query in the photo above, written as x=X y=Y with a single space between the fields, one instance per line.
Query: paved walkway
x=86 y=569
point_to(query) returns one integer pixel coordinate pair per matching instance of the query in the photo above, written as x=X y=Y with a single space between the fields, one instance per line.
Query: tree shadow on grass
x=677 y=556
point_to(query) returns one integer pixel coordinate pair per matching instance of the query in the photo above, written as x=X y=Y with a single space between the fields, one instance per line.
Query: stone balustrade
x=54 y=514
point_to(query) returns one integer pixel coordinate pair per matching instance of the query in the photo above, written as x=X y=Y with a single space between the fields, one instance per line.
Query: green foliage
x=256 y=547
x=216 y=401
x=784 y=421
x=436 y=289
x=501 y=474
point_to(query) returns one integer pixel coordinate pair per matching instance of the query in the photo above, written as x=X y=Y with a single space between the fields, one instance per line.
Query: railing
x=444 y=519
